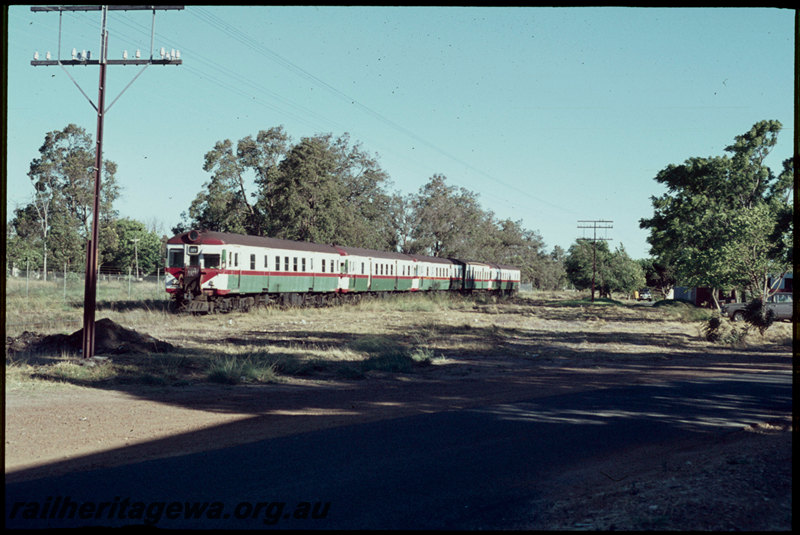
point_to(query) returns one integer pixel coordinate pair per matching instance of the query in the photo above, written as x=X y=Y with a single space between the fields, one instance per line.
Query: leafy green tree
x=510 y=243
x=658 y=276
x=449 y=220
x=307 y=199
x=726 y=222
x=555 y=276
x=136 y=246
x=222 y=204
x=320 y=189
x=587 y=263
x=369 y=204
x=611 y=271
x=61 y=209
x=627 y=274
x=262 y=155
x=21 y=253
x=402 y=218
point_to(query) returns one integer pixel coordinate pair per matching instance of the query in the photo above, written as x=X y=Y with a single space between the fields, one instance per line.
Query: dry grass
x=395 y=335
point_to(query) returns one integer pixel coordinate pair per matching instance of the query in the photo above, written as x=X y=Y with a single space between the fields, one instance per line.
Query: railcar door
x=234 y=272
x=352 y=278
x=344 y=278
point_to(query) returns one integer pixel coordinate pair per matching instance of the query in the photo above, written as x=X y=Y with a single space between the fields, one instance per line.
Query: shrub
x=717 y=330
x=758 y=315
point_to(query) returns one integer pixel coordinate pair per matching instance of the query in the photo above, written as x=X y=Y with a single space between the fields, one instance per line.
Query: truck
x=780 y=304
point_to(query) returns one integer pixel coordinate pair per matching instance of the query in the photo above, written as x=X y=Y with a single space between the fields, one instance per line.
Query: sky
x=552 y=116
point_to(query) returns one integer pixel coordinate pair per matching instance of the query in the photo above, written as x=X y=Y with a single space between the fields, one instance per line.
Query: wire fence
x=67 y=283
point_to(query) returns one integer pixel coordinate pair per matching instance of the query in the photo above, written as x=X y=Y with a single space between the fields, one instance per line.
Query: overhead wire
x=299 y=113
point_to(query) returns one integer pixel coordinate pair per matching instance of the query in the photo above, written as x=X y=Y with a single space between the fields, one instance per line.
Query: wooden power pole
x=595 y=224
x=84 y=58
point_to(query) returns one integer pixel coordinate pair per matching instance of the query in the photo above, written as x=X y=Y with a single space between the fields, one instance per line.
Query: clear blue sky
x=551 y=115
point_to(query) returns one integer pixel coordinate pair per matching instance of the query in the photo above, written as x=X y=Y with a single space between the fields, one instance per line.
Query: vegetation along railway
x=220 y=272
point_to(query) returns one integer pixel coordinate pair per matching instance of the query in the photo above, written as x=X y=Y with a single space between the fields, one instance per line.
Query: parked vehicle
x=779 y=303
x=645 y=295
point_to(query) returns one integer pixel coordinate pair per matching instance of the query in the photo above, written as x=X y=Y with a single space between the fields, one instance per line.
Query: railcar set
x=211 y=272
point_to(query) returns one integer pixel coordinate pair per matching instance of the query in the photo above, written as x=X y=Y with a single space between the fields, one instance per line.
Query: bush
x=758 y=315
x=717 y=330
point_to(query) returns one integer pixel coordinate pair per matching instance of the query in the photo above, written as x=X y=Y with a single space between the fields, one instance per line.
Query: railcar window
x=265 y=261
x=176 y=258
x=303 y=264
x=286 y=263
x=236 y=259
x=211 y=261
x=194 y=260
x=362 y=268
x=277 y=263
x=252 y=262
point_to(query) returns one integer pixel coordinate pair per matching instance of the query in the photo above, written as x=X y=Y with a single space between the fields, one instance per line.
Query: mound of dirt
x=109 y=338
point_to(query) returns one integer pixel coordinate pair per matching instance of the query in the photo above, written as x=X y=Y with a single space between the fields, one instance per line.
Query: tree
x=365 y=222
x=449 y=220
x=586 y=264
x=627 y=274
x=63 y=182
x=307 y=199
x=262 y=155
x=137 y=247
x=222 y=205
x=320 y=189
x=612 y=272
x=658 y=276
x=726 y=222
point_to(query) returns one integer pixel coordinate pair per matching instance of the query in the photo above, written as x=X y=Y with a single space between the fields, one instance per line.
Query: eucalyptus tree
x=449 y=220
x=63 y=183
x=319 y=189
x=366 y=220
x=307 y=199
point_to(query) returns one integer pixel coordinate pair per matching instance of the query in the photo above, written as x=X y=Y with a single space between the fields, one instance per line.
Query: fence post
x=27 y=276
x=129 y=283
x=65 y=282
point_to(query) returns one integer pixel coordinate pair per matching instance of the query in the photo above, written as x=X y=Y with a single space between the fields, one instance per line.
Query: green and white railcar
x=215 y=271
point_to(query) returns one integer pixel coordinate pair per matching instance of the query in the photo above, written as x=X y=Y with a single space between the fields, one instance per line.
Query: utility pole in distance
x=84 y=58
x=595 y=224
